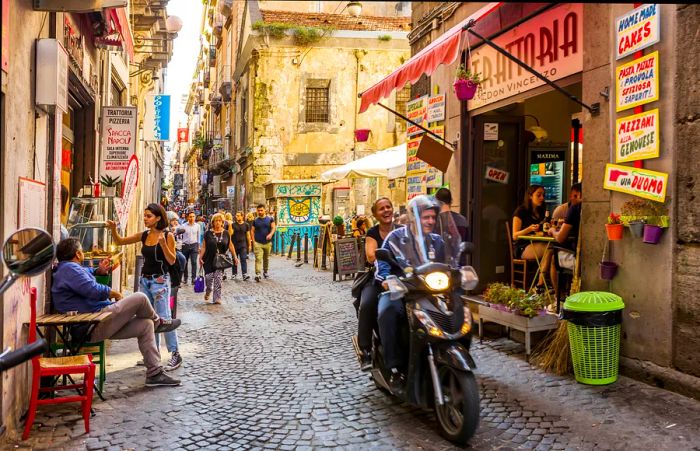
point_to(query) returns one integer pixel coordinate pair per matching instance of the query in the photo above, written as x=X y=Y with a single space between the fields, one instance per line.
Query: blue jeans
x=158 y=293
x=191 y=253
x=390 y=319
x=242 y=253
x=181 y=261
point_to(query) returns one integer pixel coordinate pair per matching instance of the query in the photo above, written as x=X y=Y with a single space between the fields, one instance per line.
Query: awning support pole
x=593 y=109
x=417 y=125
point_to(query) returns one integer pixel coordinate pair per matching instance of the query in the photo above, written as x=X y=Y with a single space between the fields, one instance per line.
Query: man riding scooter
x=410 y=246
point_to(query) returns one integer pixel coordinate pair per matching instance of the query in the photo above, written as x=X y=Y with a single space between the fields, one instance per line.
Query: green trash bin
x=595 y=322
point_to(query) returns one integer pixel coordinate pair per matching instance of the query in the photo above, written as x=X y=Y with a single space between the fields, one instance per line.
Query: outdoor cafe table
x=539 y=239
x=60 y=323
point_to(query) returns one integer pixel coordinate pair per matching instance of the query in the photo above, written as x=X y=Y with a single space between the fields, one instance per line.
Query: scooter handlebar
x=14 y=358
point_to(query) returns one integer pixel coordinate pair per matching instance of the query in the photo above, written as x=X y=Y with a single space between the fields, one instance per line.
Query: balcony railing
x=223 y=83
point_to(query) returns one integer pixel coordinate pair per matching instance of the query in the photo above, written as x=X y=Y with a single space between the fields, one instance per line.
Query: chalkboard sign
x=346 y=256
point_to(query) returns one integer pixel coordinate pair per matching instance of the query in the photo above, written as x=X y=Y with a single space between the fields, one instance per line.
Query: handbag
x=199 y=283
x=222 y=261
x=361 y=279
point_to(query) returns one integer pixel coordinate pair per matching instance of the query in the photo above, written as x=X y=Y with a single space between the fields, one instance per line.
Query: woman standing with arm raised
x=158 y=252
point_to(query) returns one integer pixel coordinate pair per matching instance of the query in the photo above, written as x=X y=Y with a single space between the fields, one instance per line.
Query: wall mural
x=284 y=235
x=299 y=189
x=297 y=211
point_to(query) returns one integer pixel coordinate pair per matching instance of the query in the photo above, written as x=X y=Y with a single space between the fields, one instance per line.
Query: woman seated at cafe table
x=527 y=220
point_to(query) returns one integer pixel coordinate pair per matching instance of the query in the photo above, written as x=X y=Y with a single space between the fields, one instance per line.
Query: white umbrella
x=390 y=162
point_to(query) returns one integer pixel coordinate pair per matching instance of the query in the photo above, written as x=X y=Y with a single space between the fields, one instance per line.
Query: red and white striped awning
x=444 y=50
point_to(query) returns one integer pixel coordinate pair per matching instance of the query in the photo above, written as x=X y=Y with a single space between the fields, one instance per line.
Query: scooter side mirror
x=466 y=247
x=27 y=252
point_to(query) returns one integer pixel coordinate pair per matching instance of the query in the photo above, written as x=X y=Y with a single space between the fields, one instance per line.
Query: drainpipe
x=358 y=55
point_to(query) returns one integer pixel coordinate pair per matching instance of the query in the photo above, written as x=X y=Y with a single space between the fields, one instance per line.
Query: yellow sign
x=637 y=182
x=637 y=82
x=637 y=137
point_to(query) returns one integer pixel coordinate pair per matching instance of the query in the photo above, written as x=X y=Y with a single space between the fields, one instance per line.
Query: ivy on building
x=303 y=36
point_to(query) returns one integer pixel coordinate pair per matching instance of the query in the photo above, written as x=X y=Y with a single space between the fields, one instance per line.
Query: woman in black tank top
x=158 y=252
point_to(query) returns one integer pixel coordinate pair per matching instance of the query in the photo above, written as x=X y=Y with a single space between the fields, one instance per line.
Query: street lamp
x=173 y=24
x=354 y=8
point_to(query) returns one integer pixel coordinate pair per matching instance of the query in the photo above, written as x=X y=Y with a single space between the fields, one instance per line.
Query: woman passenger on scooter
x=413 y=245
x=383 y=212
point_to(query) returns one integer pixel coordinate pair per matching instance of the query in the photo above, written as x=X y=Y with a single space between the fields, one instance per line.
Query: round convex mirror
x=28 y=252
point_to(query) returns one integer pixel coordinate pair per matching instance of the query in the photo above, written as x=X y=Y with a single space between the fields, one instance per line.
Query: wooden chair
x=99 y=357
x=55 y=367
x=518 y=266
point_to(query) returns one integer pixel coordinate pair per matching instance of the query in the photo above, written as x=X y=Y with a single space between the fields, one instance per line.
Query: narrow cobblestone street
x=273 y=367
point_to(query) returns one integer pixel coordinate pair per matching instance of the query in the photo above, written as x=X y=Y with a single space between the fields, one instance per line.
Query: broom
x=553 y=354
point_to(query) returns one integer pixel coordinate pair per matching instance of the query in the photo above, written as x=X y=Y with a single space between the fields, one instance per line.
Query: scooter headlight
x=437 y=281
x=428 y=323
x=469 y=278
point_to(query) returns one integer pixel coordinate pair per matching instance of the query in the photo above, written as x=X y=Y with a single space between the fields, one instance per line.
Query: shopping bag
x=199 y=283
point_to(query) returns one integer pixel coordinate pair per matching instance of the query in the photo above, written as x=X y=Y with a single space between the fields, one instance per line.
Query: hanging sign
x=496 y=175
x=637 y=182
x=637 y=30
x=230 y=191
x=417 y=111
x=117 y=139
x=51 y=74
x=637 y=82
x=551 y=43
x=436 y=108
x=183 y=135
x=131 y=180
x=637 y=137
x=156 y=120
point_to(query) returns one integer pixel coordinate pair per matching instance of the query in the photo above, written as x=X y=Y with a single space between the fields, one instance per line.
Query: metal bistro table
x=540 y=239
x=60 y=323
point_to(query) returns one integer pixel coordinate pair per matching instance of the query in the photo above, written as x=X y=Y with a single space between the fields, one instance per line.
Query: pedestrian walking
x=192 y=234
x=216 y=242
x=262 y=230
x=158 y=252
x=243 y=243
x=228 y=225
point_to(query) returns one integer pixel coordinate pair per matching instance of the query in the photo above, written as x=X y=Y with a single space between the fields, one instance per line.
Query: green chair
x=99 y=357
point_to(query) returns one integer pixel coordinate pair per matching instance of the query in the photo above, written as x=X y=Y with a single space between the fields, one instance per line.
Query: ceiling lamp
x=354 y=8
x=536 y=132
x=173 y=24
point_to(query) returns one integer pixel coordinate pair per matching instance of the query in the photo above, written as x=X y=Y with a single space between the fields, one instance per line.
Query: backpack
x=174 y=270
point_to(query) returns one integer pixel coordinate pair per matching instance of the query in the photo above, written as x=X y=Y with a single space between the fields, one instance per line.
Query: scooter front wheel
x=459 y=415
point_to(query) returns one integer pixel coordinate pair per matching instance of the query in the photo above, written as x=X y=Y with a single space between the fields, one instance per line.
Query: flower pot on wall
x=464 y=89
x=608 y=270
x=109 y=191
x=614 y=231
x=637 y=228
x=362 y=135
x=652 y=234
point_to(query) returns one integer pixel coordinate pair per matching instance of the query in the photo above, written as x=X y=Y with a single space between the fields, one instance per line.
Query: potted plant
x=654 y=227
x=466 y=83
x=614 y=227
x=362 y=134
x=110 y=185
x=634 y=213
x=339 y=224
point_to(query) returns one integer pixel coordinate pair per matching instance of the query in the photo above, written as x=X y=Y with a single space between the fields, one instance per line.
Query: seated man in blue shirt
x=74 y=288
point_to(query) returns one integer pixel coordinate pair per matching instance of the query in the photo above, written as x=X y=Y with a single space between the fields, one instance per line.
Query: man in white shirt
x=190 y=245
x=574 y=198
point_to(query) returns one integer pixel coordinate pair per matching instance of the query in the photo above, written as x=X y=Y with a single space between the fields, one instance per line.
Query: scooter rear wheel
x=459 y=415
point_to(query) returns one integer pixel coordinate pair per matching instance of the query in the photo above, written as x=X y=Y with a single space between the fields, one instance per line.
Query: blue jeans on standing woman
x=158 y=291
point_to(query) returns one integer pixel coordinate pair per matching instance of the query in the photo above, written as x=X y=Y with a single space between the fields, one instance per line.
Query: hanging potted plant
x=466 y=83
x=654 y=227
x=109 y=185
x=634 y=213
x=608 y=269
x=614 y=227
x=362 y=135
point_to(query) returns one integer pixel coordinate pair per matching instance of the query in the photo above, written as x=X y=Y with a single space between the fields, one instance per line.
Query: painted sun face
x=299 y=210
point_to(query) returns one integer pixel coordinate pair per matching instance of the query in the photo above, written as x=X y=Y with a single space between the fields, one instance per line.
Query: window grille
x=317 y=104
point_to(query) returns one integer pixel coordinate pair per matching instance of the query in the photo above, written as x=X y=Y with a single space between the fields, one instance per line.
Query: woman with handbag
x=383 y=212
x=213 y=258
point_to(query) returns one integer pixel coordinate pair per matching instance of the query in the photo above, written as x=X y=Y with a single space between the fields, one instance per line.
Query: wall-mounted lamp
x=354 y=8
x=536 y=132
x=173 y=24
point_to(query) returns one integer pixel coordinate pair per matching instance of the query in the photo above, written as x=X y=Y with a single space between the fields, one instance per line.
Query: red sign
x=183 y=135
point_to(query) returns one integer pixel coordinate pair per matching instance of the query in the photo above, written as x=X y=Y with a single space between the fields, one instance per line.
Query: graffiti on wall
x=295 y=211
x=284 y=236
x=298 y=190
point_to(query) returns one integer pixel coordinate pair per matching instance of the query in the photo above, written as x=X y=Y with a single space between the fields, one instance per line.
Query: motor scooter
x=437 y=336
x=27 y=252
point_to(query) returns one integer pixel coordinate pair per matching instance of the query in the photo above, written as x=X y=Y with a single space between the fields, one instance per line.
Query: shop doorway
x=498 y=184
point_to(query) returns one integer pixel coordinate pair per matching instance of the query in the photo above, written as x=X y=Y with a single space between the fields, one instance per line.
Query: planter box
x=517 y=322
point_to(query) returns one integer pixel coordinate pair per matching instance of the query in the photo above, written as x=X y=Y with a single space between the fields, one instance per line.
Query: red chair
x=56 y=367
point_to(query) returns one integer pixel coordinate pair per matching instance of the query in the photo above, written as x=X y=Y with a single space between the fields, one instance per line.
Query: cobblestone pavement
x=273 y=368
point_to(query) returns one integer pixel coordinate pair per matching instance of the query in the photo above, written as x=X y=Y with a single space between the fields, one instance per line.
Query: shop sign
x=551 y=43
x=183 y=135
x=436 y=108
x=156 y=121
x=433 y=178
x=51 y=74
x=496 y=175
x=491 y=131
x=546 y=156
x=637 y=30
x=637 y=182
x=637 y=82
x=415 y=186
x=230 y=191
x=131 y=180
x=417 y=111
x=118 y=139
x=637 y=137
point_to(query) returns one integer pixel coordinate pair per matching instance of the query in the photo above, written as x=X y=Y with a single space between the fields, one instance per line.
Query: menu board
x=347 y=256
